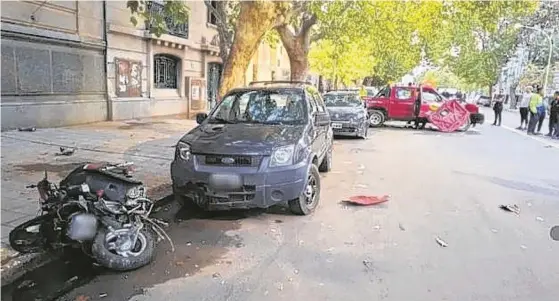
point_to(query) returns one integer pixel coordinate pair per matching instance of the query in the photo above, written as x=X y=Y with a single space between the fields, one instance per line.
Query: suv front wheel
x=307 y=202
x=326 y=164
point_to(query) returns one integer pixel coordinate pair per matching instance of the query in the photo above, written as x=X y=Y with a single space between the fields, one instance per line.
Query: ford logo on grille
x=337 y=116
x=227 y=160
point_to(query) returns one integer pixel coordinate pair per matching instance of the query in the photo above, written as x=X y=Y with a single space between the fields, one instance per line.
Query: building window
x=165 y=71
x=212 y=19
x=157 y=10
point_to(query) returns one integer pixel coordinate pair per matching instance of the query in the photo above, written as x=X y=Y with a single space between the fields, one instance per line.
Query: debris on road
x=441 y=242
x=361 y=186
x=216 y=275
x=279 y=286
x=30 y=129
x=511 y=208
x=401 y=227
x=494 y=230
x=65 y=151
x=368 y=265
x=103 y=295
x=366 y=200
x=523 y=247
x=539 y=218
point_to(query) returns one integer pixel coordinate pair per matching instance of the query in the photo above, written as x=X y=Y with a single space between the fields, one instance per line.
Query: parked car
x=347 y=112
x=484 y=101
x=400 y=103
x=260 y=146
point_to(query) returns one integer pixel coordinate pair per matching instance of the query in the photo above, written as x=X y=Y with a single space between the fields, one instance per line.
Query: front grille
x=230 y=160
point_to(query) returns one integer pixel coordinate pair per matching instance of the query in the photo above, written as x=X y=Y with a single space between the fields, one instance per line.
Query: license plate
x=336 y=125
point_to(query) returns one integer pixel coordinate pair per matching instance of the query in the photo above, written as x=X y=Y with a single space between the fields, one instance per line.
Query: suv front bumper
x=233 y=187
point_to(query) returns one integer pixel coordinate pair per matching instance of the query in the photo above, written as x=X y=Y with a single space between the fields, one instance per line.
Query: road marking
x=537 y=138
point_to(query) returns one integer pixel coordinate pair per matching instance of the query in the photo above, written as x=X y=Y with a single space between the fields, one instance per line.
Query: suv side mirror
x=200 y=117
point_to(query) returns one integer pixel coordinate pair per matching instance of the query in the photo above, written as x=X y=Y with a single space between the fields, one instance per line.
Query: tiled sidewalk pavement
x=26 y=155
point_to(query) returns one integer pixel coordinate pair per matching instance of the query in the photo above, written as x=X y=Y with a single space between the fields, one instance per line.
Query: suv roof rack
x=271 y=82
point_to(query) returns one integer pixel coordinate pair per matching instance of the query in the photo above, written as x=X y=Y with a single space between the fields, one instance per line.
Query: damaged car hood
x=241 y=138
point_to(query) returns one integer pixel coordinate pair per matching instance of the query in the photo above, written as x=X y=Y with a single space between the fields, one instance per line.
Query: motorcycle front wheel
x=108 y=252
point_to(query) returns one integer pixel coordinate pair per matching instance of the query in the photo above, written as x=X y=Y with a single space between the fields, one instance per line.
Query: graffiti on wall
x=128 y=78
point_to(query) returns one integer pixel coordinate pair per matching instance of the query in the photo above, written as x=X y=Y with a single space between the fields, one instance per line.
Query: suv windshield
x=342 y=100
x=279 y=106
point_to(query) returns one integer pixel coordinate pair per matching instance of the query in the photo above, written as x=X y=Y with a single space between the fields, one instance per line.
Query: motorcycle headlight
x=282 y=156
x=183 y=150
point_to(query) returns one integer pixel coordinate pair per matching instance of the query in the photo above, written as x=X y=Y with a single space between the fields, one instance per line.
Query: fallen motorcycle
x=99 y=208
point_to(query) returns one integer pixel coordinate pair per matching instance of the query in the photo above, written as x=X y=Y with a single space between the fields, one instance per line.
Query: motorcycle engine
x=82 y=226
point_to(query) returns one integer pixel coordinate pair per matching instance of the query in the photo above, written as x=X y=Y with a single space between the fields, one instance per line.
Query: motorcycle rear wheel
x=141 y=254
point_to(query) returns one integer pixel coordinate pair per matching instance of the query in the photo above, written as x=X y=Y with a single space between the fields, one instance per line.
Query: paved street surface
x=441 y=185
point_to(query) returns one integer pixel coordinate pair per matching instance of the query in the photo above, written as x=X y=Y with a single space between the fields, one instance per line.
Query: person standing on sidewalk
x=498 y=110
x=542 y=111
x=523 y=108
x=535 y=103
x=553 y=113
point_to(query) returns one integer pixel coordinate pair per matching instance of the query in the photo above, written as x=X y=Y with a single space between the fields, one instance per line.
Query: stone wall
x=52 y=64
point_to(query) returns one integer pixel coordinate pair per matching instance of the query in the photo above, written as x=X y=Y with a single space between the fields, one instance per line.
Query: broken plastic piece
x=441 y=242
x=367 y=200
x=30 y=129
x=511 y=208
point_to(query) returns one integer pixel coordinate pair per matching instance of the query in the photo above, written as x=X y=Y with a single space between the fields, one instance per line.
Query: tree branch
x=307 y=24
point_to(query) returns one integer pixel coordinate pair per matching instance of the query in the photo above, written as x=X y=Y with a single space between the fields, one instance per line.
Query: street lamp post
x=517 y=26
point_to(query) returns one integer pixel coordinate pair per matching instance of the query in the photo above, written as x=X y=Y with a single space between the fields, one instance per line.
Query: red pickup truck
x=406 y=103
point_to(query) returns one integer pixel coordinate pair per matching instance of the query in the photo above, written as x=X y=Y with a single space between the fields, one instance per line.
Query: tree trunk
x=297 y=48
x=255 y=19
x=299 y=66
x=512 y=93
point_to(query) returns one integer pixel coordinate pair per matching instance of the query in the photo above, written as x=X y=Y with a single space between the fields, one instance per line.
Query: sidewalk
x=149 y=143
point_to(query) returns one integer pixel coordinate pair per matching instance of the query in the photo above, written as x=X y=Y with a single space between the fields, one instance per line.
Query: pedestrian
x=542 y=110
x=553 y=114
x=498 y=110
x=524 y=108
x=535 y=103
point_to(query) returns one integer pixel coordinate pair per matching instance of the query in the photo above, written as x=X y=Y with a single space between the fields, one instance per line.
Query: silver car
x=348 y=113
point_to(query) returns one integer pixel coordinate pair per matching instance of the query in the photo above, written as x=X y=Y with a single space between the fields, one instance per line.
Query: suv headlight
x=282 y=156
x=183 y=150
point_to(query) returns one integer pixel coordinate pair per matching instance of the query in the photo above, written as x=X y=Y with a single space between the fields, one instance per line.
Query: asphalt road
x=448 y=186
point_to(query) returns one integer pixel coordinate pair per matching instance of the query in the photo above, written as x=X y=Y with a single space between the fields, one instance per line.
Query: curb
x=16 y=265
x=20 y=264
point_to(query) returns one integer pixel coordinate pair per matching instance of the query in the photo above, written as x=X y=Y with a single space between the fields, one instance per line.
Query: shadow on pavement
x=516 y=185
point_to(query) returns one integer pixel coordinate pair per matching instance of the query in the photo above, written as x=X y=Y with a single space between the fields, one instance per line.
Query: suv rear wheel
x=307 y=202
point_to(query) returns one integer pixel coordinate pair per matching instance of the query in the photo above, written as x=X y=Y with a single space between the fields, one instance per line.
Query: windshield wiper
x=221 y=120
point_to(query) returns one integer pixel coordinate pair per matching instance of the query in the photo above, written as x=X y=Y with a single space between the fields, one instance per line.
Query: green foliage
x=176 y=10
x=443 y=77
x=483 y=36
x=393 y=37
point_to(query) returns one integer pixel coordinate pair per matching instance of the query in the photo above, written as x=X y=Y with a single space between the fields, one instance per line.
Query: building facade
x=52 y=63
x=114 y=70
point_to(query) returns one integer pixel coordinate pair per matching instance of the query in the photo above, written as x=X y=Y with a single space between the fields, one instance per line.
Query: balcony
x=178 y=30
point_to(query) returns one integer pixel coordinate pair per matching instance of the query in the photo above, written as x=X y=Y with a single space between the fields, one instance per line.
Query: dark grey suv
x=260 y=146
